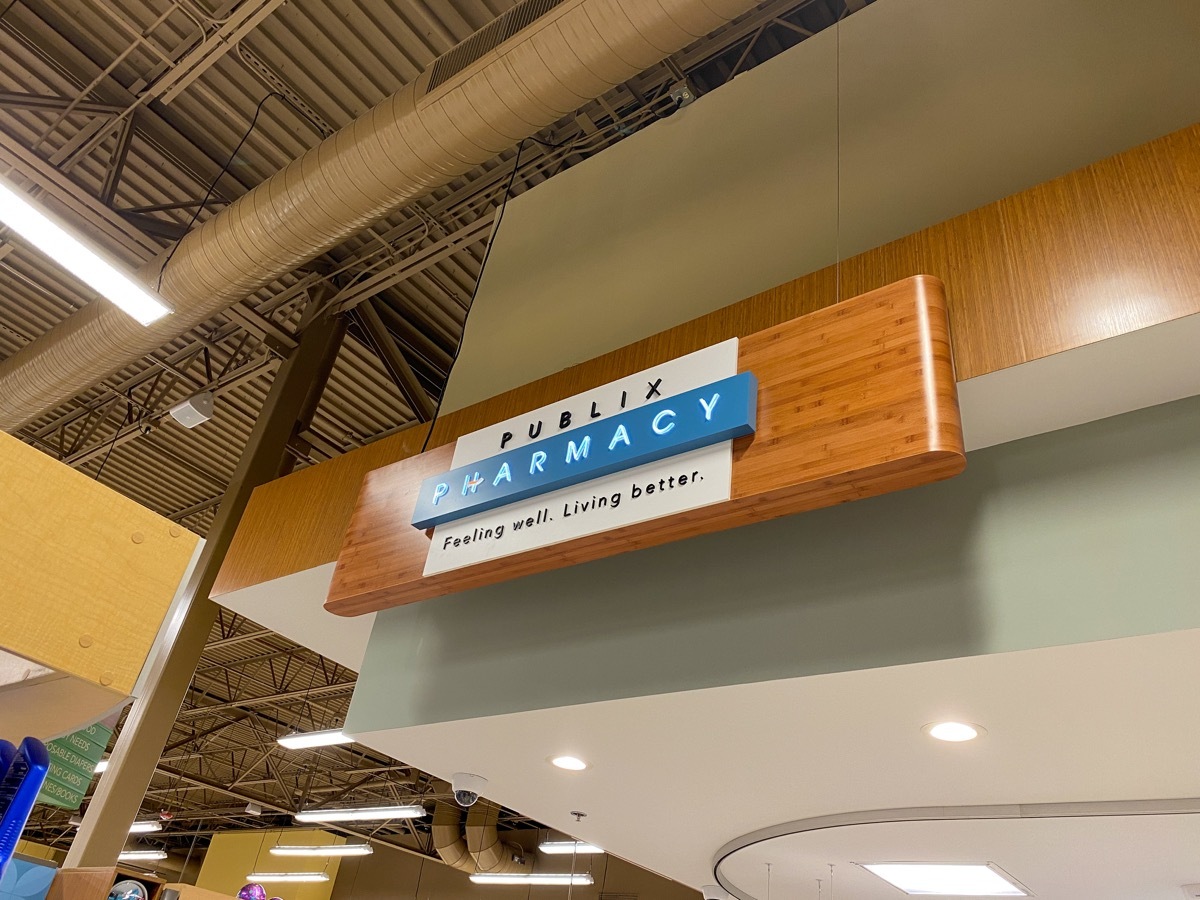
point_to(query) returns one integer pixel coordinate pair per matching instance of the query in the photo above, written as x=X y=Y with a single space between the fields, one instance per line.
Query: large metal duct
x=538 y=62
x=448 y=837
x=491 y=855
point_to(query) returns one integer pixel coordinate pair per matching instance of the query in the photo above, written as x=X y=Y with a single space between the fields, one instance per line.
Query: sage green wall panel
x=1078 y=535
x=908 y=113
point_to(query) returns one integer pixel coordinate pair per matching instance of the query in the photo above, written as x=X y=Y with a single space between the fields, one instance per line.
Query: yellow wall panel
x=87 y=573
x=233 y=855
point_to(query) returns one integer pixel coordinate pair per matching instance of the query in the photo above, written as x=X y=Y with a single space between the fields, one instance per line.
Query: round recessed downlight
x=953 y=732
x=570 y=763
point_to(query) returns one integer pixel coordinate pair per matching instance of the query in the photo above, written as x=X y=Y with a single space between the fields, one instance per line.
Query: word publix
x=574 y=508
x=697 y=418
x=564 y=418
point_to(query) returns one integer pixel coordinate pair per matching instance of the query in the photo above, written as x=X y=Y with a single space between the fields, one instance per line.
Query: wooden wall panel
x=292 y=521
x=1101 y=251
x=854 y=400
x=87 y=573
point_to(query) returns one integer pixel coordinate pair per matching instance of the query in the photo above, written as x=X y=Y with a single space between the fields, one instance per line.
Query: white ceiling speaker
x=194 y=410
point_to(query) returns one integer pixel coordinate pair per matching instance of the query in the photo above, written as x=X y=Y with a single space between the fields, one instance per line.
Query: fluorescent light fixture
x=954 y=732
x=536 y=878
x=293 y=877
x=141 y=855
x=324 y=850
x=315 y=739
x=23 y=216
x=366 y=814
x=101 y=766
x=144 y=827
x=947 y=879
x=574 y=847
x=570 y=763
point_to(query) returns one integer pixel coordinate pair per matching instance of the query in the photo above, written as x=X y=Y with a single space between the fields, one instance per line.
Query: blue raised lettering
x=619 y=435
x=471 y=483
x=440 y=491
x=657 y=419
x=537 y=461
x=709 y=406
x=505 y=474
x=574 y=454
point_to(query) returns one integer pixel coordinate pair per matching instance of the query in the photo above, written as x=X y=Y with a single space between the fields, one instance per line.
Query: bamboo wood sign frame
x=855 y=400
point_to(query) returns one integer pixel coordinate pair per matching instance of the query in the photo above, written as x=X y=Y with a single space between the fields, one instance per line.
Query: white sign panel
x=678 y=483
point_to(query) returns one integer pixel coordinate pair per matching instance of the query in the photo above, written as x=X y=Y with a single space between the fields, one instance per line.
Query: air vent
x=487 y=39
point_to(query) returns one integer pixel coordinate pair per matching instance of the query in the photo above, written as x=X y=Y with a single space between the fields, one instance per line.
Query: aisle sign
x=73 y=765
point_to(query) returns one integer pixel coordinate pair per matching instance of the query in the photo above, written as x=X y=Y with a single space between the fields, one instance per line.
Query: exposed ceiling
x=138 y=119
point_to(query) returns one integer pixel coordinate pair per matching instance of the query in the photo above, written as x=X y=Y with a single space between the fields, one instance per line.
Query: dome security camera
x=467 y=788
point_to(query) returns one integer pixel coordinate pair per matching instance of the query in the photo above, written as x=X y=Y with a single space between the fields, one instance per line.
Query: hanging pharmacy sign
x=649 y=445
x=851 y=401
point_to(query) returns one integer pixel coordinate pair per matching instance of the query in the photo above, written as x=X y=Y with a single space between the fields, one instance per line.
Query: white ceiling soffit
x=1111 y=720
x=1106 y=857
x=293 y=606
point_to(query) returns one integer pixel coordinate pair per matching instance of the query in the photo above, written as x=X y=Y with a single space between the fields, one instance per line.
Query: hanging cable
x=487 y=253
x=213 y=184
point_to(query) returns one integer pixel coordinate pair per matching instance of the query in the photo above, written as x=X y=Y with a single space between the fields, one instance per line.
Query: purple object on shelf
x=252 y=891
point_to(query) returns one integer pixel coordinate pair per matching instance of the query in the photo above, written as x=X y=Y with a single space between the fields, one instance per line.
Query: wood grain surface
x=1101 y=251
x=854 y=400
x=88 y=573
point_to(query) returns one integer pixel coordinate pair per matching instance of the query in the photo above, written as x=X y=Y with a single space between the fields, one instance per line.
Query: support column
x=119 y=795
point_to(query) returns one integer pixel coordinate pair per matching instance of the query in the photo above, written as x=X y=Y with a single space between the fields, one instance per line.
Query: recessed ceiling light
x=20 y=213
x=287 y=876
x=323 y=850
x=141 y=855
x=573 y=847
x=144 y=827
x=363 y=814
x=954 y=732
x=570 y=763
x=947 y=879
x=314 y=739
x=534 y=878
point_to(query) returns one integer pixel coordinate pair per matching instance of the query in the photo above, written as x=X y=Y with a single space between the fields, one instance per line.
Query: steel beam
x=148 y=725
x=314 y=693
x=393 y=360
x=14 y=100
x=119 y=235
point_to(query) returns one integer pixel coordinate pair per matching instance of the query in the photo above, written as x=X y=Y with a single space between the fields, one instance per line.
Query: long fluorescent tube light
x=536 y=878
x=946 y=880
x=144 y=827
x=314 y=739
x=19 y=213
x=367 y=814
x=101 y=766
x=574 y=847
x=324 y=850
x=287 y=876
x=141 y=855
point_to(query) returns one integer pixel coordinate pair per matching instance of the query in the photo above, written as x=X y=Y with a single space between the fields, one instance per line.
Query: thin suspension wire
x=837 y=87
